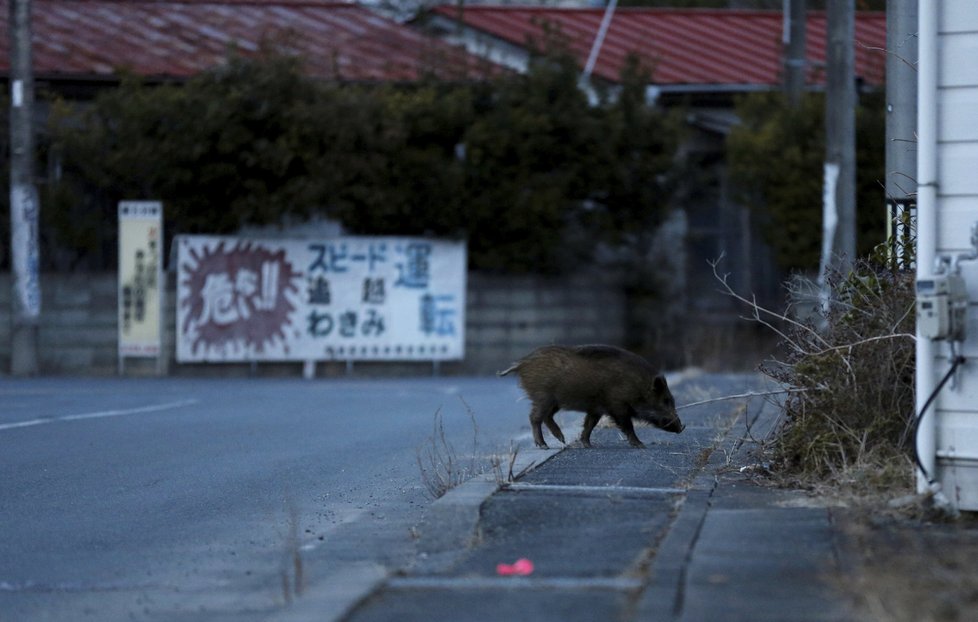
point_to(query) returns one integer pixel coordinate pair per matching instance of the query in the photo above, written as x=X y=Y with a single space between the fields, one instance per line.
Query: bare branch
x=759 y=309
x=850 y=346
x=742 y=396
x=910 y=309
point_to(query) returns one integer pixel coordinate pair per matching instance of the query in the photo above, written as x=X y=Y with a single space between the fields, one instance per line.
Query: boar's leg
x=590 y=420
x=554 y=428
x=623 y=417
x=543 y=411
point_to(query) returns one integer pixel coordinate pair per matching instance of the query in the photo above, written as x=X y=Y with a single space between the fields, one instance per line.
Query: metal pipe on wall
x=927 y=176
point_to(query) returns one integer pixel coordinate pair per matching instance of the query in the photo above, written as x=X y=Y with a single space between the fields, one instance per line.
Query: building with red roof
x=91 y=41
x=688 y=50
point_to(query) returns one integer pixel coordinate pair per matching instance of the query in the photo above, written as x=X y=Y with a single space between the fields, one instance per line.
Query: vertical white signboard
x=346 y=298
x=140 y=278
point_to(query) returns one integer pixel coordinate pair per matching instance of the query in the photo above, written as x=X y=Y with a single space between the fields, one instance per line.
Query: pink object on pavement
x=521 y=567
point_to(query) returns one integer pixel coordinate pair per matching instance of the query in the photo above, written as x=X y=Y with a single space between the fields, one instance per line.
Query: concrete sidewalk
x=674 y=532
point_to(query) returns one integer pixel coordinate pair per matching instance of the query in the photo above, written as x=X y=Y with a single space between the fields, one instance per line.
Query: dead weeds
x=910 y=570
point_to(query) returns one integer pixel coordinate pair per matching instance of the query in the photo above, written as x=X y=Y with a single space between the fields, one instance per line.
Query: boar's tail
x=508 y=370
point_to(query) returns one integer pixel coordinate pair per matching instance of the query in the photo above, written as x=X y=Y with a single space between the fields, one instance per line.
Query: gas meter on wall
x=942 y=306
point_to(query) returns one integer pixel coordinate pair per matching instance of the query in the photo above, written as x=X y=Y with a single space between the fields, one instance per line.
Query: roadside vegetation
x=846 y=362
x=523 y=166
x=848 y=419
x=442 y=466
x=847 y=372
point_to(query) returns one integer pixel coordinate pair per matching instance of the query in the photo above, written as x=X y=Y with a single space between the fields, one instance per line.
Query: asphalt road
x=180 y=499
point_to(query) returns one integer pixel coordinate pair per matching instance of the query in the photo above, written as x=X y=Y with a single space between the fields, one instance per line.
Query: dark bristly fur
x=596 y=380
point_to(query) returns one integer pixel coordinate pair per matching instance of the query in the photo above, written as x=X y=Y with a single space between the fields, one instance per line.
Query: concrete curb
x=451 y=522
x=334 y=595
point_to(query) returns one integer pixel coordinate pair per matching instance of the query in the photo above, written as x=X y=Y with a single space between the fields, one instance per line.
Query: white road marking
x=100 y=414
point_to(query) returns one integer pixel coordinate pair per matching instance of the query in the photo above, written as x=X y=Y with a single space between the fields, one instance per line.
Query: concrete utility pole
x=24 y=204
x=901 y=119
x=793 y=40
x=839 y=191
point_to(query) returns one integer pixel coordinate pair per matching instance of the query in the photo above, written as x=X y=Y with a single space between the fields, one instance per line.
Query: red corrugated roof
x=683 y=46
x=179 y=38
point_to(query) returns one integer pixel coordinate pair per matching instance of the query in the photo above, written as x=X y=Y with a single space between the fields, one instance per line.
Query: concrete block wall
x=509 y=316
x=506 y=317
x=78 y=331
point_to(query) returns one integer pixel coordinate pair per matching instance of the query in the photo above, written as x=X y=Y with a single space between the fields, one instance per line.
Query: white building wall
x=957 y=124
x=955 y=211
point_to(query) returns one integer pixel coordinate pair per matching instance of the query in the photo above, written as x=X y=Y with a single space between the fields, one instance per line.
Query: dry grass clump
x=906 y=571
x=442 y=466
x=856 y=377
x=851 y=368
x=848 y=367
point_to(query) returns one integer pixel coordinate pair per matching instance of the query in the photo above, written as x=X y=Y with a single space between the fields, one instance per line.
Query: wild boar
x=596 y=380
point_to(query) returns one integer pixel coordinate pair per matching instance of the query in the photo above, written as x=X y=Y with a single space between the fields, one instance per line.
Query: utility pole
x=24 y=204
x=839 y=190
x=901 y=125
x=793 y=41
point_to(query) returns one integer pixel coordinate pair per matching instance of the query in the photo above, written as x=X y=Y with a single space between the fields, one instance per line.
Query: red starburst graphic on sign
x=237 y=296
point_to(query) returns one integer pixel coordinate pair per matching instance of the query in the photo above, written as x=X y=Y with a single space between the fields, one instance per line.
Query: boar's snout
x=660 y=408
x=668 y=421
x=675 y=425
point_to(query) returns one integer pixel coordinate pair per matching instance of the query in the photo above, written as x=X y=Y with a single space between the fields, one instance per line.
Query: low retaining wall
x=505 y=318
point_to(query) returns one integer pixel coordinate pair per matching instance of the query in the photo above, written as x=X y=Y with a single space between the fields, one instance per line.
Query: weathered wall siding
x=958 y=17
x=957 y=194
x=505 y=318
x=957 y=148
x=957 y=153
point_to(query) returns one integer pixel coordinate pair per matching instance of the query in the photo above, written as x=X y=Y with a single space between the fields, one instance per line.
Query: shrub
x=850 y=371
x=776 y=159
x=515 y=164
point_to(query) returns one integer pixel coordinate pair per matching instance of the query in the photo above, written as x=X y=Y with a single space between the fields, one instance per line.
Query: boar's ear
x=659 y=384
